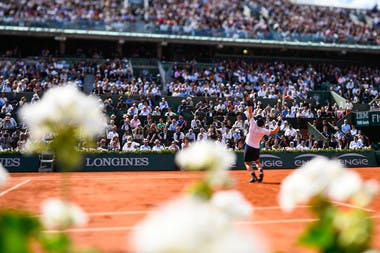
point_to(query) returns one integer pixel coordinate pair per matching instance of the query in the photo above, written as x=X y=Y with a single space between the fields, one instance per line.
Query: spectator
x=291 y=146
x=174 y=147
x=345 y=126
x=165 y=136
x=186 y=143
x=7 y=107
x=102 y=144
x=355 y=143
x=112 y=133
x=114 y=144
x=190 y=135
x=157 y=146
x=145 y=146
x=128 y=147
x=164 y=105
x=8 y=123
x=135 y=122
x=178 y=135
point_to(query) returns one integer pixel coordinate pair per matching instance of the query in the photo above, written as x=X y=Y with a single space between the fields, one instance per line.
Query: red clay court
x=117 y=201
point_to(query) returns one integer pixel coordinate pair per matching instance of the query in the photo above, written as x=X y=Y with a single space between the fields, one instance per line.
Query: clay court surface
x=117 y=201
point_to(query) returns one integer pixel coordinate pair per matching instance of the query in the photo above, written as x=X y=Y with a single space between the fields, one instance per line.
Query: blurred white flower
x=344 y=186
x=219 y=178
x=237 y=241
x=58 y=214
x=62 y=107
x=4 y=175
x=189 y=224
x=232 y=203
x=309 y=180
x=205 y=155
x=366 y=194
x=319 y=176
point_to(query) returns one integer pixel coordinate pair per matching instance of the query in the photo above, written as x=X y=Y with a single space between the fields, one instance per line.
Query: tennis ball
x=245 y=51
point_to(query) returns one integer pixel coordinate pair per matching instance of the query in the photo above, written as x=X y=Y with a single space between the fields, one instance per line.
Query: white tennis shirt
x=255 y=134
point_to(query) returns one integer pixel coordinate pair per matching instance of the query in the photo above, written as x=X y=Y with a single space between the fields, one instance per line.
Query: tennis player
x=252 y=142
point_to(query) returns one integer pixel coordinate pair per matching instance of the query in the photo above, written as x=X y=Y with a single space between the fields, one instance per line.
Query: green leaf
x=355 y=230
x=16 y=231
x=56 y=243
x=321 y=233
x=201 y=189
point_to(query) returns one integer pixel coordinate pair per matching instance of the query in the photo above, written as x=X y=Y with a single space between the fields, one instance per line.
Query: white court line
x=105 y=229
x=120 y=213
x=276 y=207
x=353 y=206
x=110 y=229
x=119 y=178
x=150 y=211
x=15 y=187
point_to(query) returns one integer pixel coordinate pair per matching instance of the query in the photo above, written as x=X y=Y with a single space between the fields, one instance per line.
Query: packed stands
x=267 y=20
x=140 y=114
x=154 y=107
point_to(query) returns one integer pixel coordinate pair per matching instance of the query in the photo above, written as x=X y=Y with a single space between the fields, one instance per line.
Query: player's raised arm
x=275 y=131
x=249 y=107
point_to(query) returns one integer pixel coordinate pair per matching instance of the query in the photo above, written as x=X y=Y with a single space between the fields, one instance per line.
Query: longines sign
x=128 y=162
x=116 y=162
x=20 y=163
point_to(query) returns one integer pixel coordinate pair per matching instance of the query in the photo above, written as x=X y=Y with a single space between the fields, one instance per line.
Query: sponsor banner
x=363 y=119
x=20 y=163
x=165 y=162
x=128 y=162
x=295 y=160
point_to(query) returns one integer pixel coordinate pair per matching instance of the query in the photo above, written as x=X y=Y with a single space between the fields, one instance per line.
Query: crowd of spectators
x=38 y=74
x=149 y=125
x=261 y=19
x=220 y=117
x=110 y=14
x=144 y=125
x=274 y=80
x=359 y=84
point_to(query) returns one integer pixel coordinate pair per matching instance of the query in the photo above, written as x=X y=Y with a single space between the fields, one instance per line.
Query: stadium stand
x=268 y=20
x=175 y=99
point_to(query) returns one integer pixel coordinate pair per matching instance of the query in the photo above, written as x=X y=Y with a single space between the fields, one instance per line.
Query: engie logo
x=353 y=159
x=271 y=161
x=302 y=159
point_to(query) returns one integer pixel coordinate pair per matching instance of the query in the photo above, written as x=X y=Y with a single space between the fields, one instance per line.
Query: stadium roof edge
x=205 y=40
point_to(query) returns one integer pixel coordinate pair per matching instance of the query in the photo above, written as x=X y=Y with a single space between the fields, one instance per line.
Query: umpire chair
x=46 y=162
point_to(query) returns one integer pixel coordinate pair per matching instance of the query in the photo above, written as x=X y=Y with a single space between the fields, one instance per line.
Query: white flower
x=58 y=214
x=61 y=107
x=205 y=155
x=239 y=242
x=190 y=225
x=319 y=176
x=366 y=194
x=344 y=186
x=232 y=203
x=4 y=175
